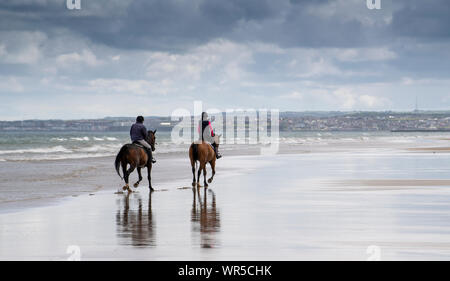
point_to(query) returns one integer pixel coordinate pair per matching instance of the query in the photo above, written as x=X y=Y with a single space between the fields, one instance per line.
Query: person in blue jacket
x=139 y=134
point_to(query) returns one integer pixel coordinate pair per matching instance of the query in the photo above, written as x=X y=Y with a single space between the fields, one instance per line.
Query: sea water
x=35 y=146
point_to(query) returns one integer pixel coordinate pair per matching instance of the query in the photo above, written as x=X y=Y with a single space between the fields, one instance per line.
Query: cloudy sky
x=123 y=57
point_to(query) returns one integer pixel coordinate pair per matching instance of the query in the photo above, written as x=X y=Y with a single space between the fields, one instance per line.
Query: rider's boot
x=150 y=155
x=217 y=152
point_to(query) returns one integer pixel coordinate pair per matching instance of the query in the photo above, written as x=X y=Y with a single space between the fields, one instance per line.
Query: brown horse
x=204 y=153
x=137 y=157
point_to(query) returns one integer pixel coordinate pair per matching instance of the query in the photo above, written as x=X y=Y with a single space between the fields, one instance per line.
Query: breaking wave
x=53 y=149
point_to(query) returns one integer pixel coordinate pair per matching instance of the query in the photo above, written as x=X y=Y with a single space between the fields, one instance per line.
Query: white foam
x=58 y=139
x=104 y=148
x=61 y=156
x=54 y=149
x=80 y=139
x=401 y=140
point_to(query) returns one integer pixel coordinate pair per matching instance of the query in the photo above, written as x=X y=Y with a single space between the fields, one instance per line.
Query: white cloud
x=408 y=81
x=131 y=87
x=2 y=50
x=221 y=72
x=349 y=98
x=370 y=101
x=364 y=54
x=21 y=47
x=86 y=57
x=308 y=63
x=294 y=96
x=227 y=60
x=338 y=97
x=10 y=85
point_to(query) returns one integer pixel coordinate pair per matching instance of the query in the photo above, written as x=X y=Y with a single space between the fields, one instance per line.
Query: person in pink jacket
x=207 y=132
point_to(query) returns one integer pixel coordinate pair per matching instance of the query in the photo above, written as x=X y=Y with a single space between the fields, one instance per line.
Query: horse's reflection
x=135 y=226
x=205 y=217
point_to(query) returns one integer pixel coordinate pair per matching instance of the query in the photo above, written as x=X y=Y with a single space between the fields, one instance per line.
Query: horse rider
x=207 y=132
x=139 y=135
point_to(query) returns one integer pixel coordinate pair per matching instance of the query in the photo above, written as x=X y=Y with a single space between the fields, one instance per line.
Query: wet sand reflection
x=135 y=226
x=205 y=218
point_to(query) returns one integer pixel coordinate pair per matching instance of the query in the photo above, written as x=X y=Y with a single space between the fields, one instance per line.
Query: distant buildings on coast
x=289 y=121
x=105 y=124
x=367 y=121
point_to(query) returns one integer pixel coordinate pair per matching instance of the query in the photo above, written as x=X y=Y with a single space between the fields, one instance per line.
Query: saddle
x=138 y=145
x=149 y=153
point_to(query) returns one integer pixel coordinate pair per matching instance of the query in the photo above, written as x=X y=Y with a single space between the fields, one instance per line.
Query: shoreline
x=67 y=178
x=107 y=181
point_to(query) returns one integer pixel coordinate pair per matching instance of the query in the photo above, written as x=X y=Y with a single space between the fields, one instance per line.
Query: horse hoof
x=193 y=184
x=210 y=181
x=136 y=185
x=206 y=185
x=151 y=188
x=129 y=190
x=125 y=187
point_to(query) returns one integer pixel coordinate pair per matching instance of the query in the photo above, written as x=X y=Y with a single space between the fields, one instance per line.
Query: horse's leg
x=204 y=176
x=199 y=172
x=149 y=175
x=126 y=177
x=193 y=174
x=193 y=162
x=140 y=177
x=213 y=168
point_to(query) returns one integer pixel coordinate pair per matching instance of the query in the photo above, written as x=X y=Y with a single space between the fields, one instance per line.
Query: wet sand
x=41 y=183
x=430 y=149
x=318 y=206
x=393 y=183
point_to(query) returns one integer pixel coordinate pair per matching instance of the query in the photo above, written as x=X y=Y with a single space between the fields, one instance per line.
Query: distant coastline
x=421 y=131
x=416 y=121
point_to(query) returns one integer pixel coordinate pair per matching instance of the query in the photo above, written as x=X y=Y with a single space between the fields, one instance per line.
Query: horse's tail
x=118 y=158
x=195 y=151
x=195 y=154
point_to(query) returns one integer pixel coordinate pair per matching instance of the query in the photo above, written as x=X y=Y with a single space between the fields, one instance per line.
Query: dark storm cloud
x=175 y=25
x=164 y=25
x=423 y=19
x=178 y=24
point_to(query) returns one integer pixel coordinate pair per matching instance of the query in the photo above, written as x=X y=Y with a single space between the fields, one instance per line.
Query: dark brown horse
x=203 y=153
x=136 y=157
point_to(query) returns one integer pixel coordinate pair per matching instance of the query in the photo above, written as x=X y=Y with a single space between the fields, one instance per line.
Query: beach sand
x=430 y=149
x=302 y=206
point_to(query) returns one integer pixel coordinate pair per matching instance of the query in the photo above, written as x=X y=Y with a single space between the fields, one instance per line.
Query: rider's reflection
x=205 y=218
x=135 y=226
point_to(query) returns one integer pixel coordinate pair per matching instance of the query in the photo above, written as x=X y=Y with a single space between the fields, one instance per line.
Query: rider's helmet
x=140 y=119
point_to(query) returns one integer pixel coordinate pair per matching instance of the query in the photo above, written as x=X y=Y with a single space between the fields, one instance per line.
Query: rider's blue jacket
x=138 y=132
